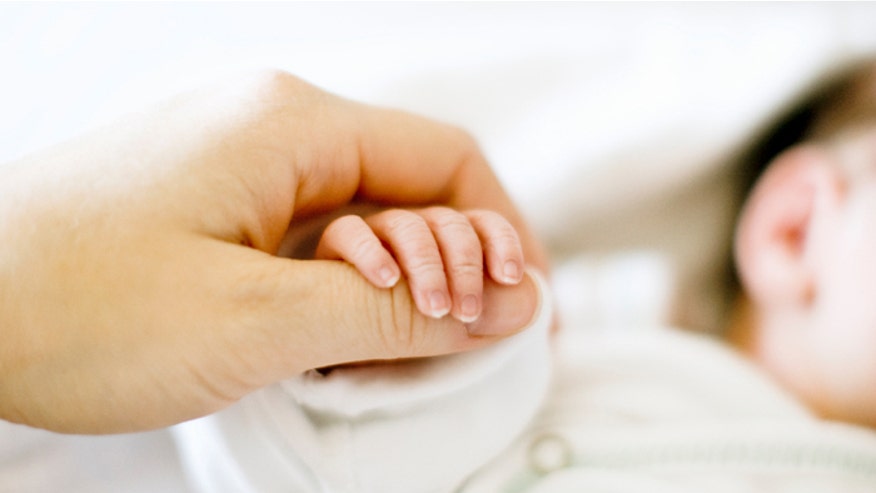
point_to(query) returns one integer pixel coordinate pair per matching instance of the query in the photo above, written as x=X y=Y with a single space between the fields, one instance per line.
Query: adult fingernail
x=438 y=304
x=471 y=309
x=506 y=309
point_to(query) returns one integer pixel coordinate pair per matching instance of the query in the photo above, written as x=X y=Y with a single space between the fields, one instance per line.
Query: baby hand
x=442 y=253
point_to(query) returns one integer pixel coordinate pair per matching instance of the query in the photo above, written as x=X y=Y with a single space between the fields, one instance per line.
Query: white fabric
x=422 y=425
x=628 y=410
x=666 y=411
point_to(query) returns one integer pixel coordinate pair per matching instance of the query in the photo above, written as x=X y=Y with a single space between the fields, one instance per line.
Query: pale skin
x=444 y=254
x=806 y=251
x=140 y=281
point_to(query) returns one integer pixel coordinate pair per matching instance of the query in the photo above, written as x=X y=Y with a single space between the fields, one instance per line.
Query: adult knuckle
x=467 y=145
x=273 y=92
x=277 y=82
x=464 y=139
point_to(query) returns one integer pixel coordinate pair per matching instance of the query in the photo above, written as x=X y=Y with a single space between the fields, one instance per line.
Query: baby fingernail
x=470 y=309
x=511 y=270
x=438 y=304
x=388 y=276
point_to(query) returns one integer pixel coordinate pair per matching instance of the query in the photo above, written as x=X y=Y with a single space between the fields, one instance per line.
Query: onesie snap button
x=549 y=452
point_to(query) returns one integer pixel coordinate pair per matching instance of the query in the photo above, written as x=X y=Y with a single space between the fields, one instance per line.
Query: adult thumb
x=324 y=313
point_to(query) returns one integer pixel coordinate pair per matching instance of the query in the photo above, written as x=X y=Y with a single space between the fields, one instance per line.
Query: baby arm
x=444 y=254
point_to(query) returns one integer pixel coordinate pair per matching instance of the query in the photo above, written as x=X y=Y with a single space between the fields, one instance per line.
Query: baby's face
x=841 y=247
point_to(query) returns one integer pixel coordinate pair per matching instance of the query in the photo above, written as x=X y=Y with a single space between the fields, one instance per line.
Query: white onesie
x=627 y=410
x=419 y=426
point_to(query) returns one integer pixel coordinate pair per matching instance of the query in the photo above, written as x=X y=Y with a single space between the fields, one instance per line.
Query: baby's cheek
x=841 y=340
x=843 y=353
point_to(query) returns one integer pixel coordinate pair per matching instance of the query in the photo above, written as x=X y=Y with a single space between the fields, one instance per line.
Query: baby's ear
x=777 y=234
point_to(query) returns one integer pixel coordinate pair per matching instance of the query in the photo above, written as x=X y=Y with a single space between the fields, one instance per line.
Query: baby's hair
x=843 y=99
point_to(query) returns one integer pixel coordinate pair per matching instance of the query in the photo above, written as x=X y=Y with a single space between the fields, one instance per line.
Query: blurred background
x=614 y=125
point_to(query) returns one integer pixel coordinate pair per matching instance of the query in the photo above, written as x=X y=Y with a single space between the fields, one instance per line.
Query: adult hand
x=140 y=284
